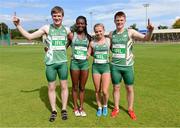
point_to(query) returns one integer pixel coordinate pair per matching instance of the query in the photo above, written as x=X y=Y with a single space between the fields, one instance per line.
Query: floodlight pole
x=146 y=6
x=47 y=22
x=91 y=13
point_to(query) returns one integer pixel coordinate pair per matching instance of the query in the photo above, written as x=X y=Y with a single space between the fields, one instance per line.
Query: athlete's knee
x=81 y=88
x=98 y=91
x=129 y=88
x=51 y=88
x=64 y=87
x=116 y=88
x=75 y=88
x=105 y=92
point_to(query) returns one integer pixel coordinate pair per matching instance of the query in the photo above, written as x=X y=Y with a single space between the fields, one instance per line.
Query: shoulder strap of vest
x=74 y=37
x=50 y=28
x=63 y=27
x=93 y=44
x=107 y=42
x=114 y=32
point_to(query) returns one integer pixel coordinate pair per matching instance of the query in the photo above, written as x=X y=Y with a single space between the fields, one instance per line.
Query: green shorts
x=100 y=68
x=79 y=64
x=122 y=72
x=54 y=69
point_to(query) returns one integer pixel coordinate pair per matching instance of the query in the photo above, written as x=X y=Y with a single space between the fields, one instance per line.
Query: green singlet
x=122 y=58
x=79 y=47
x=101 y=57
x=56 y=42
x=79 y=53
x=56 y=57
x=122 y=49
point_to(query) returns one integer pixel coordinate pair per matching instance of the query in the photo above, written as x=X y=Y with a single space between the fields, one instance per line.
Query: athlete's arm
x=110 y=37
x=25 y=33
x=70 y=38
x=108 y=41
x=90 y=50
x=139 y=36
x=133 y=34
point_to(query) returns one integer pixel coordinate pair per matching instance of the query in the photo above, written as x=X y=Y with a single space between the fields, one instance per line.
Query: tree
x=162 y=27
x=4 y=28
x=73 y=28
x=176 y=24
x=133 y=26
x=15 y=34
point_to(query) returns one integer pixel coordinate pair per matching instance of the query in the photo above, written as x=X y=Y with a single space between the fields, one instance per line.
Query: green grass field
x=24 y=101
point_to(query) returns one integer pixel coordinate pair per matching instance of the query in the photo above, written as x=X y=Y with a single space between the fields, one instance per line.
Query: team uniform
x=56 y=57
x=79 y=53
x=122 y=58
x=101 y=57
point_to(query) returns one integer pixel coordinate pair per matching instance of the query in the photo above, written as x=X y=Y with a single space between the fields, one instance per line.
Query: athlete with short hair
x=123 y=60
x=55 y=58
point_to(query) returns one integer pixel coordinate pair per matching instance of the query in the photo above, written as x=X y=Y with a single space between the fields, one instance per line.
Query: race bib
x=80 y=52
x=58 y=43
x=101 y=57
x=119 y=51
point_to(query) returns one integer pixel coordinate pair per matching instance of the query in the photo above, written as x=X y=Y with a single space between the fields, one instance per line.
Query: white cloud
x=159 y=11
x=22 y=4
x=68 y=22
x=5 y=17
x=25 y=18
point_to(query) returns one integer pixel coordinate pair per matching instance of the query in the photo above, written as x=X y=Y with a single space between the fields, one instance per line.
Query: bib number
x=58 y=43
x=101 y=57
x=80 y=52
x=119 y=51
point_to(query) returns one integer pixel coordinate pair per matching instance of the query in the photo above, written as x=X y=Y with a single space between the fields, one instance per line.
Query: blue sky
x=36 y=13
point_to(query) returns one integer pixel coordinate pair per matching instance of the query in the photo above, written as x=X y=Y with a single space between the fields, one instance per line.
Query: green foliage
x=162 y=27
x=176 y=24
x=24 y=96
x=133 y=26
x=15 y=34
x=3 y=28
x=73 y=28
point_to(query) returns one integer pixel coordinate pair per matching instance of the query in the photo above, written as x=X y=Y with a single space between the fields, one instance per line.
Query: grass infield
x=24 y=100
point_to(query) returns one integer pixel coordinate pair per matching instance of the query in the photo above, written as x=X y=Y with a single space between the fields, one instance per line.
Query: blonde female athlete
x=99 y=48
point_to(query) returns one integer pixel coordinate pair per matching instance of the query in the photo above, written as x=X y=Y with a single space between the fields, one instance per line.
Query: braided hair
x=85 y=31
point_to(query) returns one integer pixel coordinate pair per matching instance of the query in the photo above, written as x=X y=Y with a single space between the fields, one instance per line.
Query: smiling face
x=81 y=25
x=57 y=19
x=99 y=31
x=120 y=22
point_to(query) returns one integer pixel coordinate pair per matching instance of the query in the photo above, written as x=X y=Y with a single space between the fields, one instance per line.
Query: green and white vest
x=101 y=52
x=79 y=47
x=122 y=49
x=56 y=42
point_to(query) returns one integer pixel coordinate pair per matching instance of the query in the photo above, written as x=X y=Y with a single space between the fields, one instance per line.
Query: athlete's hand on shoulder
x=45 y=49
x=150 y=27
